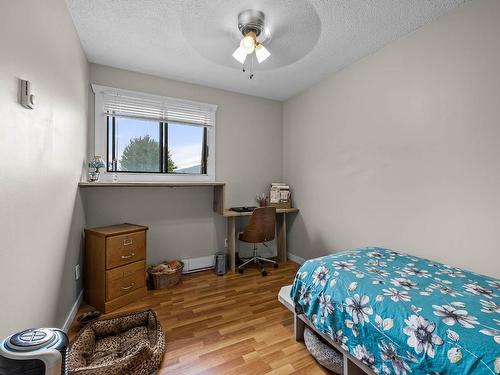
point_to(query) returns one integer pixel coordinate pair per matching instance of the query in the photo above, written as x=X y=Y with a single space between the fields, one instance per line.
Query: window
x=148 y=137
x=187 y=148
x=143 y=146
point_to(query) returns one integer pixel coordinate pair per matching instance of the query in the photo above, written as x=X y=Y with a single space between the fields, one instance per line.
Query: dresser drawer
x=125 y=249
x=123 y=280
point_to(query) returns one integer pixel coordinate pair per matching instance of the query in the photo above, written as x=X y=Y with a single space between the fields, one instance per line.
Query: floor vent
x=198 y=264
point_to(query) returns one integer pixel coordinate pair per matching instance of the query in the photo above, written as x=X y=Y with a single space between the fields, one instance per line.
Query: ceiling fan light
x=248 y=44
x=240 y=55
x=261 y=53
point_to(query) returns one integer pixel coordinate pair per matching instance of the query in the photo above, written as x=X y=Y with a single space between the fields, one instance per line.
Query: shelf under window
x=148 y=184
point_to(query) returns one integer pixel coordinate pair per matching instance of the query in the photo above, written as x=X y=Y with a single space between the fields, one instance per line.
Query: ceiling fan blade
x=261 y=53
x=240 y=55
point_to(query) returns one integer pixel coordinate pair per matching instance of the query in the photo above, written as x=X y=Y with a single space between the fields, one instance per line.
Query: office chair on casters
x=260 y=229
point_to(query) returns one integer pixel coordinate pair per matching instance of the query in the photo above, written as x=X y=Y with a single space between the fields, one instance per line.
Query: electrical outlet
x=77 y=272
x=225 y=242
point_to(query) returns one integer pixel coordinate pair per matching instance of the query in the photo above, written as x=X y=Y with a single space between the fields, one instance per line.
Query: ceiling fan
x=251 y=24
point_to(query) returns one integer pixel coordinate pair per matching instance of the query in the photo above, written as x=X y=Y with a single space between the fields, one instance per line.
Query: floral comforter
x=400 y=314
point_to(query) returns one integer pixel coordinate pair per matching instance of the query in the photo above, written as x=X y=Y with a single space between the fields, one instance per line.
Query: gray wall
x=42 y=154
x=398 y=150
x=181 y=221
x=402 y=148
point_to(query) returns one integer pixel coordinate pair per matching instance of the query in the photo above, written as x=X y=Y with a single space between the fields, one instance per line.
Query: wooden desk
x=281 y=230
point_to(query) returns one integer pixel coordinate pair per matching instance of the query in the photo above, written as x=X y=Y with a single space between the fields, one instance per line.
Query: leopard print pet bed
x=126 y=344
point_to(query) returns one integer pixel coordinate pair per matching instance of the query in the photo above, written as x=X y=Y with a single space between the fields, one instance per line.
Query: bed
x=394 y=313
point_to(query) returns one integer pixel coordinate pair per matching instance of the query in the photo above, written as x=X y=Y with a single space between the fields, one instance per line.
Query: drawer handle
x=128 y=287
x=127 y=242
x=128 y=256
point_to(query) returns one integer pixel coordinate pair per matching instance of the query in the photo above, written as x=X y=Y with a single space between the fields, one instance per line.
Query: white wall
x=248 y=158
x=42 y=152
x=402 y=148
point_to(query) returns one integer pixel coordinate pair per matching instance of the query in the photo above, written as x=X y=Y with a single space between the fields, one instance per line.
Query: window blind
x=151 y=107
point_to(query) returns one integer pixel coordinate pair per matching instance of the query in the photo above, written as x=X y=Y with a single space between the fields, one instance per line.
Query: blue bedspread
x=400 y=314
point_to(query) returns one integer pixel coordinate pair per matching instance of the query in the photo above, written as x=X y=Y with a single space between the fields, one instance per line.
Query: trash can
x=220 y=263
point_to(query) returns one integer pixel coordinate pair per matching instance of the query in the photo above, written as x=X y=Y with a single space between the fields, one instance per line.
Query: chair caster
x=240 y=270
x=264 y=273
x=275 y=265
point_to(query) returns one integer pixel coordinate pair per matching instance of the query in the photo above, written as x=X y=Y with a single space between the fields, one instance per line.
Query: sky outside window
x=185 y=145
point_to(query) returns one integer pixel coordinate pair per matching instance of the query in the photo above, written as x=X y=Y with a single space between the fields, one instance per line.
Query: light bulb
x=248 y=44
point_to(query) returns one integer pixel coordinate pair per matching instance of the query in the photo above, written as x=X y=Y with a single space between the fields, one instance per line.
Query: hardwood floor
x=230 y=324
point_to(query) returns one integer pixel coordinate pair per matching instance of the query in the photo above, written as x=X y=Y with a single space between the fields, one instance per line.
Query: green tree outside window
x=141 y=155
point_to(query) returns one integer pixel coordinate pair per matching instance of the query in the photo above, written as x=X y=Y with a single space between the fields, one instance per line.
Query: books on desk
x=279 y=195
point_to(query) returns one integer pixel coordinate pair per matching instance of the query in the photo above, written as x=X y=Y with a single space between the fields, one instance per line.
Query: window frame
x=101 y=145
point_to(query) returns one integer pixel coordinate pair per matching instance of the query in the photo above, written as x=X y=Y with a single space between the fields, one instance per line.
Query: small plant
x=97 y=163
x=261 y=199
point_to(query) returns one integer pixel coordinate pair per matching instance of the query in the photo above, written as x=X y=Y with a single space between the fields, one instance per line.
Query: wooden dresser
x=115 y=265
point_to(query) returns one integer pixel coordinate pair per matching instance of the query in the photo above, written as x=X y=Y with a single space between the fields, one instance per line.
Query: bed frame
x=352 y=366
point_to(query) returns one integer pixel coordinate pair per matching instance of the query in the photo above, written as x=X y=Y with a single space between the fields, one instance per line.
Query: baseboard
x=198 y=264
x=72 y=312
x=296 y=258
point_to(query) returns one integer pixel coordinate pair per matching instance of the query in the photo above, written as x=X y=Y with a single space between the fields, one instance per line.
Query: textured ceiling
x=192 y=40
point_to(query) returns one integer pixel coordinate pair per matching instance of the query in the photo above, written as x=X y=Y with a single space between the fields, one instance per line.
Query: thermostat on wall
x=27 y=98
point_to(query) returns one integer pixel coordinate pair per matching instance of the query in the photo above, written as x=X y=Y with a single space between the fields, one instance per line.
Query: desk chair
x=260 y=229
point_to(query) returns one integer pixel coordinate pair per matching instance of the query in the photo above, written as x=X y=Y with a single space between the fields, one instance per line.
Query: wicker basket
x=162 y=280
x=281 y=205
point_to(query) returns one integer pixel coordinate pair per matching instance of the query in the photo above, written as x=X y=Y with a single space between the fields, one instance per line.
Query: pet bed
x=126 y=344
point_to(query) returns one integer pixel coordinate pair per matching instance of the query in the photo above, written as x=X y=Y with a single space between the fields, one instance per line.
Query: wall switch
x=77 y=272
x=225 y=242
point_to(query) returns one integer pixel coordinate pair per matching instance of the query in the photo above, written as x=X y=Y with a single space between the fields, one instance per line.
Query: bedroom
x=381 y=117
